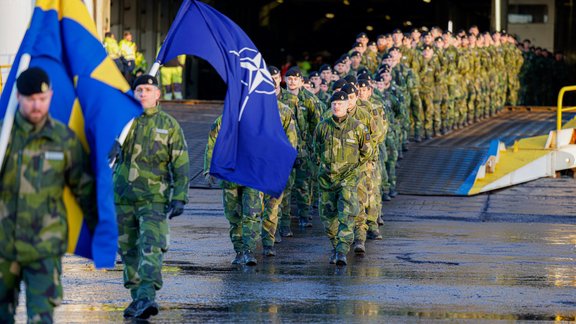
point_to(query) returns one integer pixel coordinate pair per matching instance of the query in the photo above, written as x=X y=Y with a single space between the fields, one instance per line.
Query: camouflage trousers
x=270 y=218
x=284 y=216
x=43 y=288
x=370 y=200
x=338 y=208
x=431 y=113
x=243 y=209
x=143 y=238
x=303 y=187
x=416 y=114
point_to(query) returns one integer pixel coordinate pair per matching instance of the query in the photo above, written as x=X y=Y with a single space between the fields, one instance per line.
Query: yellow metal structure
x=562 y=109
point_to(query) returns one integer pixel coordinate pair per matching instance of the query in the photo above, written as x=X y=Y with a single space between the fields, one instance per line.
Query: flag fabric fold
x=92 y=98
x=252 y=148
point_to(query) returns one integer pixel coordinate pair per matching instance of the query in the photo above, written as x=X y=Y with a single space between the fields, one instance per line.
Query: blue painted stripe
x=465 y=188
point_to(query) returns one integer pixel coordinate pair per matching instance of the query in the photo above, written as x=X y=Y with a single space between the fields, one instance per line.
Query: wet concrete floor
x=442 y=258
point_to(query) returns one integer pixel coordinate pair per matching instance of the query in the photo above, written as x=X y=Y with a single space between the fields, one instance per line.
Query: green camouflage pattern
x=42 y=279
x=154 y=163
x=38 y=164
x=143 y=238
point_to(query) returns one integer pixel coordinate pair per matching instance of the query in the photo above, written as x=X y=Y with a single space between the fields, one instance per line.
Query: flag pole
x=11 y=110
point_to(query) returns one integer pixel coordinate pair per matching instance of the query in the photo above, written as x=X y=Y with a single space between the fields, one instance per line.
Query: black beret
x=338 y=84
x=364 y=76
x=393 y=48
x=33 y=80
x=438 y=39
x=356 y=53
x=340 y=60
x=357 y=44
x=372 y=43
x=386 y=56
x=362 y=35
x=426 y=47
x=362 y=71
x=294 y=71
x=351 y=79
x=145 y=79
x=345 y=56
x=378 y=78
x=364 y=84
x=350 y=88
x=339 y=95
x=314 y=74
x=325 y=67
x=397 y=31
x=273 y=70
x=323 y=82
x=306 y=80
x=425 y=33
x=384 y=68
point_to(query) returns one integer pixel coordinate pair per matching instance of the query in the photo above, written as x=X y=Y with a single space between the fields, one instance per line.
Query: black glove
x=176 y=208
x=114 y=152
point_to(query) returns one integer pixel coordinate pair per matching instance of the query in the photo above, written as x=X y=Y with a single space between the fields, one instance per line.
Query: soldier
x=341 y=144
x=243 y=207
x=150 y=183
x=427 y=80
x=326 y=73
x=356 y=58
x=271 y=204
x=112 y=49
x=42 y=157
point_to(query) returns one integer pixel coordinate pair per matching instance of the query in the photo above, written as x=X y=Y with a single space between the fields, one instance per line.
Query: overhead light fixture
x=280 y=1
x=370 y=10
x=346 y=2
x=387 y=17
x=427 y=1
x=369 y=28
x=330 y=15
x=408 y=23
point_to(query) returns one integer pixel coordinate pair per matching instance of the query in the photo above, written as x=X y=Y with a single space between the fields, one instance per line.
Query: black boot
x=359 y=247
x=249 y=258
x=393 y=193
x=386 y=197
x=373 y=234
x=285 y=231
x=380 y=221
x=239 y=258
x=269 y=251
x=333 y=257
x=341 y=259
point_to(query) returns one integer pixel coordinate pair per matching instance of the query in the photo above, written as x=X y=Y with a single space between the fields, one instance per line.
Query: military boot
x=285 y=231
x=130 y=310
x=380 y=221
x=373 y=234
x=277 y=237
x=333 y=257
x=249 y=258
x=417 y=138
x=269 y=251
x=393 y=193
x=359 y=247
x=304 y=222
x=386 y=197
x=146 y=308
x=239 y=258
x=341 y=259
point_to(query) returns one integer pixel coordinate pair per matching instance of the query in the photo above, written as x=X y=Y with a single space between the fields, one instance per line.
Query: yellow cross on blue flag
x=91 y=97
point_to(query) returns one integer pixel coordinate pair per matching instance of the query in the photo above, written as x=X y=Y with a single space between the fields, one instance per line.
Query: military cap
x=338 y=84
x=385 y=56
x=438 y=39
x=145 y=79
x=362 y=71
x=407 y=35
x=339 y=96
x=357 y=44
x=293 y=71
x=351 y=79
x=306 y=80
x=380 y=36
x=415 y=30
x=426 y=47
x=364 y=84
x=350 y=88
x=314 y=74
x=393 y=48
x=397 y=31
x=323 y=82
x=33 y=80
x=425 y=33
x=378 y=78
x=345 y=56
x=340 y=60
x=362 y=35
x=384 y=68
x=325 y=67
x=364 y=76
x=273 y=70
x=371 y=43
x=356 y=53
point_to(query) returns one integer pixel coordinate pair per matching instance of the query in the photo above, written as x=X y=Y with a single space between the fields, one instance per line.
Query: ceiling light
x=329 y=15
x=369 y=28
x=408 y=23
x=346 y=2
x=387 y=17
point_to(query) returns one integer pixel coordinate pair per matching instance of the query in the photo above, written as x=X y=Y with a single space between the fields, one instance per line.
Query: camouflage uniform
x=431 y=114
x=339 y=149
x=33 y=223
x=243 y=206
x=152 y=170
x=271 y=204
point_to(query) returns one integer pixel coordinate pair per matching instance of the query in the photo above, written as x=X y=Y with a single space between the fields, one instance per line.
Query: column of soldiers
x=353 y=122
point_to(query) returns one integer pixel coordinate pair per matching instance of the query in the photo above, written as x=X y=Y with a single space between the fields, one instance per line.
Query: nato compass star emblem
x=258 y=75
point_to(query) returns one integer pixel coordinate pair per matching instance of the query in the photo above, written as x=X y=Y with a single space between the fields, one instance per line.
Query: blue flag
x=91 y=97
x=252 y=148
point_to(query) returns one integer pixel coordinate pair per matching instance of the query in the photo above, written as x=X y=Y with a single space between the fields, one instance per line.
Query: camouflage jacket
x=153 y=165
x=339 y=149
x=38 y=164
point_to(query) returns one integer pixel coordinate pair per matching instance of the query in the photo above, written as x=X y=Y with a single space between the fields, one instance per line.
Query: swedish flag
x=91 y=97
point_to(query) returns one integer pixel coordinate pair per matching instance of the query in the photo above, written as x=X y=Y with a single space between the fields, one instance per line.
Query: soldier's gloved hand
x=176 y=208
x=114 y=152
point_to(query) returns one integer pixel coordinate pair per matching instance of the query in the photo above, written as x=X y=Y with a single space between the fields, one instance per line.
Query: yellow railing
x=561 y=110
x=1 y=81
